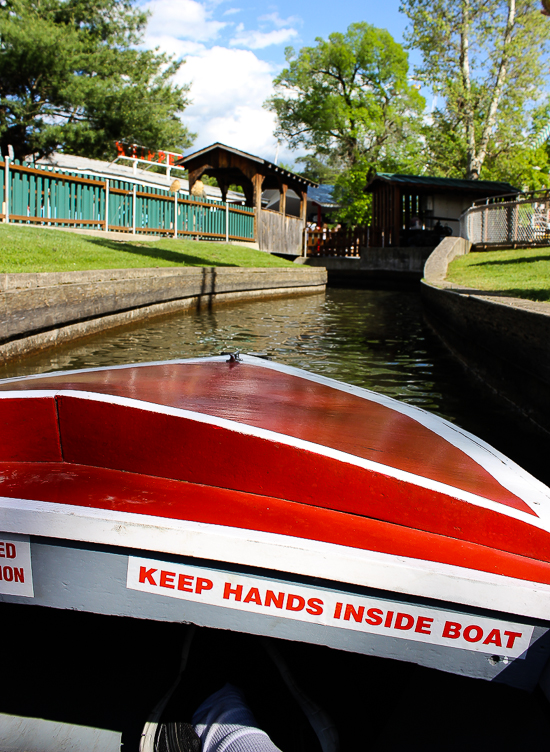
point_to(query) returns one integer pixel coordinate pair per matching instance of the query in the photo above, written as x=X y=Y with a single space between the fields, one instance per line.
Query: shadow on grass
x=540 y=296
x=504 y=262
x=536 y=295
x=153 y=252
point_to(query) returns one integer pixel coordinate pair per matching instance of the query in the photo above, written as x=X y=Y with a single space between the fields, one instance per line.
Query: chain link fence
x=509 y=221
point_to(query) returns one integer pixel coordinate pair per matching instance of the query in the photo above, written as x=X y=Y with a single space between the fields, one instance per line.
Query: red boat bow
x=260 y=447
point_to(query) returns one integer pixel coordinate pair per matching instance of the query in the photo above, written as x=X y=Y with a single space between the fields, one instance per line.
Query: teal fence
x=65 y=199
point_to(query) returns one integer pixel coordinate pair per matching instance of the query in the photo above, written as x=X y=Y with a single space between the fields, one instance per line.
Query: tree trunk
x=476 y=157
x=466 y=83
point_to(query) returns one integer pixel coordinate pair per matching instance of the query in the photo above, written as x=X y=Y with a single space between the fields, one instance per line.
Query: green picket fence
x=45 y=196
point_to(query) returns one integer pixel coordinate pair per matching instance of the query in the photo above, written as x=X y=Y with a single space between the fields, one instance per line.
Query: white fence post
x=107 y=205
x=7 y=189
x=226 y=221
x=175 y=214
x=134 y=204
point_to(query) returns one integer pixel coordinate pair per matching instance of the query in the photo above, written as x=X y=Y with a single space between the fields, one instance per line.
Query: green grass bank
x=522 y=273
x=30 y=249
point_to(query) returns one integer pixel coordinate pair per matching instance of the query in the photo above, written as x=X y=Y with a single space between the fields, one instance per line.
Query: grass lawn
x=523 y=273
x=29 y=249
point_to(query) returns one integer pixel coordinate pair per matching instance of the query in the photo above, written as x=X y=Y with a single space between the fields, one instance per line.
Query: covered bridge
x=275 y=231
x=416 y=210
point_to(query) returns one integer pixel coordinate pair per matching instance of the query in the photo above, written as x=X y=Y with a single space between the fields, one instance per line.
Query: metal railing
x=31 y=195
x=509 y=221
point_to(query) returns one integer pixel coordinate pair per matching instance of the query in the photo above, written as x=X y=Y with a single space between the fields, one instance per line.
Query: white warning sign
x=15 y=565
x=330 y=608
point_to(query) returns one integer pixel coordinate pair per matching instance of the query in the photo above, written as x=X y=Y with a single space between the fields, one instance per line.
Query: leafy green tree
x=321 y=170
x=527 y=164
x=349 y=102
x=349 y=192
x=485 y=62
x=72 y=78
x=347 y=99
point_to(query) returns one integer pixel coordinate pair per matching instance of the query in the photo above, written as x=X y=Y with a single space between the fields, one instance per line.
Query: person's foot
x=177 y=737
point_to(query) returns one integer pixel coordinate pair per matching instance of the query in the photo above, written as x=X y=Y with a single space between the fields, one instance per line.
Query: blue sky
x=234 y=49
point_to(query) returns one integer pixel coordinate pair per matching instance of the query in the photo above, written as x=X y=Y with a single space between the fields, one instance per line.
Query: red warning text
x=278 y=599
x=15 y=565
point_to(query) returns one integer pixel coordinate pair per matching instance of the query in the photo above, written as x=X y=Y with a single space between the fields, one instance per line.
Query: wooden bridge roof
x=232 y=166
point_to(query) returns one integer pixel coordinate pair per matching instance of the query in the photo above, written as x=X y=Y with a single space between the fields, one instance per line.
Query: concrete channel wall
x=395 y=264
x=503 y=340
x=42 y=310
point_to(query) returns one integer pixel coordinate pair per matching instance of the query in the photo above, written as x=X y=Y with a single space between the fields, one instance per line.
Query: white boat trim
x=541 y=520
x=506 y=472
x=272 y=551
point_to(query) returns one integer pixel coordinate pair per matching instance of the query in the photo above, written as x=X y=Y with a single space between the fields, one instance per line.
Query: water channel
x=373 y=338
x=376 y=339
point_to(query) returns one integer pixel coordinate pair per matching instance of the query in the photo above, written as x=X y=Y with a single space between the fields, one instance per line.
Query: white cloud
x=186 y=19
x=223 y=79
x=228 y=85
x=232 y=11
x=179 y=48
x=279 y=22
x=257 y=40
x=228 y=89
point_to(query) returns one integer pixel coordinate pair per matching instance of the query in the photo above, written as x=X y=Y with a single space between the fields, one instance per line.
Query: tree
x=484 y=61
x=347 y=99
x=72 y=78
x=349 y=102
x=321 y=170
x=349 y=193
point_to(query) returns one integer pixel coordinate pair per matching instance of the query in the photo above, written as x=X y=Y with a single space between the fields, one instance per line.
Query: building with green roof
x=418 y=210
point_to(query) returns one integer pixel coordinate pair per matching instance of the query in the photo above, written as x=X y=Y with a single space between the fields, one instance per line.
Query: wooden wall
x=278 y=233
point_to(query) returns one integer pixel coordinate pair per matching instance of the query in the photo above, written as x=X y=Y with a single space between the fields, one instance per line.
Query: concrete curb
x=38 y=311
x=502 y=340
x=437 y=264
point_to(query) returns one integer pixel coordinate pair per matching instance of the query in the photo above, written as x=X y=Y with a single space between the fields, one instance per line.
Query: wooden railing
x=43 y=196
x=341 y=242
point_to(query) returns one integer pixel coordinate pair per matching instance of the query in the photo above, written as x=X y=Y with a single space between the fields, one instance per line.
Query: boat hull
x=255 y=498
x=153 y=585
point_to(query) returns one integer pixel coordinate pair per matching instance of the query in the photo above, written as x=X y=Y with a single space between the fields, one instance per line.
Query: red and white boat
x=251 y=496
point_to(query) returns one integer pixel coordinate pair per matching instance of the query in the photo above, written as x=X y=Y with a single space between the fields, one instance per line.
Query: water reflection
x=372 y=338
x=369 y=338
